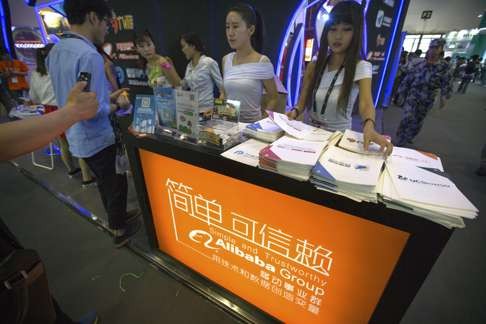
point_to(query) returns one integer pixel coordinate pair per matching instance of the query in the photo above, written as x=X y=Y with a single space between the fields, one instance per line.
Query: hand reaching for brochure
x=370 y=135
x=291 y=114
x=81 y=105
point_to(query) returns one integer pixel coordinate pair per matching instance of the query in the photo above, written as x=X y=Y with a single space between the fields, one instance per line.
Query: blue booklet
x=165 y=104
x=144 y=117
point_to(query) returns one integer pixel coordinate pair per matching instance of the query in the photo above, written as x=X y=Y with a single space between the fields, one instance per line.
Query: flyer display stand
x=297 y=254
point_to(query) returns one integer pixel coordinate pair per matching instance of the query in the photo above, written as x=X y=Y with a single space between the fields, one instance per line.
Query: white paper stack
x=299 y=129
x=424 y=193
x=416 y=158
x=291 y=157
x=348 y=174
x=247 y=152
x=353 y=141
x=265 y=130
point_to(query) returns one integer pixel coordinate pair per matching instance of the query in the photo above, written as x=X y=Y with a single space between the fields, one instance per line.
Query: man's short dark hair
x=76 y=10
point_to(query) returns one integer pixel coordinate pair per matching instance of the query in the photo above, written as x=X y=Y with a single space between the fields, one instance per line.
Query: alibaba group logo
x=200 y=236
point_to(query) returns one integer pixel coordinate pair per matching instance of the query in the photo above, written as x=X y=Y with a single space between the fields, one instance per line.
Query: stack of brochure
x=265 y=130
x=219 y=132
x=348 y=174
x=425 y=193
x=291 y=157
x=246 y=153
x=353 y=141
x=416 y=158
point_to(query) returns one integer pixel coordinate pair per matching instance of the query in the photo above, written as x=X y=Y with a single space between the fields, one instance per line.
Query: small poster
x=144 y=117
x=166 y=106
x=187 y=112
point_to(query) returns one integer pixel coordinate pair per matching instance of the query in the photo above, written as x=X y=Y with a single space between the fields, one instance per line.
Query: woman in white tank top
x=333 y=82
x=246 y=72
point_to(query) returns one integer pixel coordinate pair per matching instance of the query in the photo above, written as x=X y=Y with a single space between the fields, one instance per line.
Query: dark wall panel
x=167 y=20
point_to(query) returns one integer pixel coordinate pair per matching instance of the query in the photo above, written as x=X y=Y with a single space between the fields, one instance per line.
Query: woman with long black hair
x=333 y=82
x=246 y=71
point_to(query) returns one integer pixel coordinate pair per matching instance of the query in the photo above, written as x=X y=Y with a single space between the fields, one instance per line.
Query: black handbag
x=24 y=290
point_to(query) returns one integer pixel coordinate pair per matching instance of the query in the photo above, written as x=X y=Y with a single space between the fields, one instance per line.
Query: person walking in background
x=421 y=85
x=94 y=139
x=41 y=93
x=401 y=73
x=468 y=76
x=477 y=62
x=15 y=72
x=483 y=73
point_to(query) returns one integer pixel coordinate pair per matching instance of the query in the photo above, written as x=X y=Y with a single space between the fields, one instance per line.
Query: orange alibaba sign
x=298 y=261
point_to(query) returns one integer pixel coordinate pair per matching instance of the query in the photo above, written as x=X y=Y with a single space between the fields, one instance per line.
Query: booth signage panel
x=298 y=261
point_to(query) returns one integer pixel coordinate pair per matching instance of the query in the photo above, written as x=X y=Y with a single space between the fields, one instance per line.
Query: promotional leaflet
x=353 y=141
x=291 y=157
x=166 y=106
x=187 y=112
x=427 y=188
x=416 y=158
x=144 y=117
x=349 y=174
x=246 y=153
x=341 y=166
x=390 y=197
x=265 y=130
x=293 y=128
x=299 y=129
